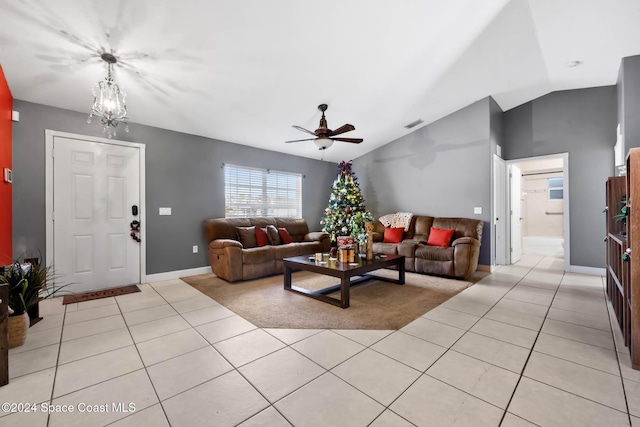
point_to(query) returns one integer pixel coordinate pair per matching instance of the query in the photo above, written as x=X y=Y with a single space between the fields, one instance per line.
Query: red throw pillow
x=440 y=237
x=261 y=236
x=284 y=236
x=393 y=235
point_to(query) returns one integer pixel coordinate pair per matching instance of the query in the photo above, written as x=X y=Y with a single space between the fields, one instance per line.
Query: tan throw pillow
x=247 y=236
x=272 y=234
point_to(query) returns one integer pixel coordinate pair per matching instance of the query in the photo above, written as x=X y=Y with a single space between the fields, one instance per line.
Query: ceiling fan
x=324 y=136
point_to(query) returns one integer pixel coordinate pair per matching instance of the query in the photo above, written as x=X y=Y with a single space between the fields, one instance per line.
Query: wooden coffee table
x=344 y=271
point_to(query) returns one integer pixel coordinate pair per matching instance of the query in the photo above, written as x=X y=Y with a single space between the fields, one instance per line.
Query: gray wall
x=629 y=101
x=583 y=123
x=442 y=169
x=183 y=172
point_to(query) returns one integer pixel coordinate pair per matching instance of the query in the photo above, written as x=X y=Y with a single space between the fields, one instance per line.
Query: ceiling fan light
x=323 y=143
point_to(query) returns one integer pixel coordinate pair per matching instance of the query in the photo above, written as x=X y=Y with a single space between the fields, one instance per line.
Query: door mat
x=104 y=293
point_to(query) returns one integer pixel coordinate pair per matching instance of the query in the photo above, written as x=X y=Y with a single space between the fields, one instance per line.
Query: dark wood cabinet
x=618 y=271
x=623 y=277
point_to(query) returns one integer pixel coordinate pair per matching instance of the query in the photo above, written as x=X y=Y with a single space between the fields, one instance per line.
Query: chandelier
x=109 y=101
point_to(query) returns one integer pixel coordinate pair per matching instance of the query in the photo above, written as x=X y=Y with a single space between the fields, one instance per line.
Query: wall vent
x=414 y=124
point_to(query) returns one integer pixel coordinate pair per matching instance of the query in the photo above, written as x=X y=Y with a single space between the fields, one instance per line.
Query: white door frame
x=500 y=215
x=49 y=136
x=565 y=200
x=515 y=213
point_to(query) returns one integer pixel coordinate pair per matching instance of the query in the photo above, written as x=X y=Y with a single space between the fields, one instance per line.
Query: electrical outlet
x=164 y=211
x=195 y=249
x=477 y=210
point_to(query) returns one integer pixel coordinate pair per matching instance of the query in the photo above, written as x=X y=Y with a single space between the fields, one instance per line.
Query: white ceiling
x=245 y=71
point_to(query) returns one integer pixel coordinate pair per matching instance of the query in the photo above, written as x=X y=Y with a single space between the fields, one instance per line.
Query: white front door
x=95 y=185
x=515 y=180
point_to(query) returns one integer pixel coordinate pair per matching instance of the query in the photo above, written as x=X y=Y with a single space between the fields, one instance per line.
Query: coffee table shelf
x=342 y=270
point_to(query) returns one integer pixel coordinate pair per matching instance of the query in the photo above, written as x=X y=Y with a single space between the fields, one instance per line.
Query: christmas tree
x=346 y=214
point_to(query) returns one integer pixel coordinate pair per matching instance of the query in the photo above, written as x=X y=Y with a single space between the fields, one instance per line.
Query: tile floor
x=527 y=345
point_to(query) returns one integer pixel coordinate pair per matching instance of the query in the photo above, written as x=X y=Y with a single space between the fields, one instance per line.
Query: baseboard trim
x=592 y=271
x=158 y=277
x=487 y=268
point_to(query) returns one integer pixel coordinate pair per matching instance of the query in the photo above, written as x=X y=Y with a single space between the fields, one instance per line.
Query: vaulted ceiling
x=245 y=71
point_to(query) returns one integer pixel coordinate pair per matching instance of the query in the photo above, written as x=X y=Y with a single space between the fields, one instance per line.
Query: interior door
x=515 y=189
x=500 y=210
x=95 y=186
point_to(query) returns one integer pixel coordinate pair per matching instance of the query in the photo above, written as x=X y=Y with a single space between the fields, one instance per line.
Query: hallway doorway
x=538 y=195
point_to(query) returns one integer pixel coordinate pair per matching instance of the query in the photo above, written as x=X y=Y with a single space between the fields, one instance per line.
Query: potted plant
x=27 y=284
x=624 y=213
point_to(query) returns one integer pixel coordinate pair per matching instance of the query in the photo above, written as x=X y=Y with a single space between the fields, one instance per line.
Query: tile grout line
x=513 y=393
x=55 y=372
x=327 y=370
x=615 y=346
x=532 y=350
x=446 y=351
x=234 y=368
x=143 y=367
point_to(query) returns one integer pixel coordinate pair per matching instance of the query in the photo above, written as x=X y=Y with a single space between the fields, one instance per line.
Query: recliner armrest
x=466 y=241
x=225 y=243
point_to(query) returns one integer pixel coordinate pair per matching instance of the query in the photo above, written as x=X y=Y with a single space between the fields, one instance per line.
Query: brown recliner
x=458 y=260
x=232 y=261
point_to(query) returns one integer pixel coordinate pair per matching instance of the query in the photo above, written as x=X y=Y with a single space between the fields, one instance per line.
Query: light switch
x=477 y=211
x=165 y=211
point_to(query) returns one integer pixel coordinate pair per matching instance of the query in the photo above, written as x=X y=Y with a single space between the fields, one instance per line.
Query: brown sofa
x=459 y=260
x=232 y=262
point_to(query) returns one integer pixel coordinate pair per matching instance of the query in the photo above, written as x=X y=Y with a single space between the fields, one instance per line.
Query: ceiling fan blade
x=304 y=130
x=299 y=140
x=342 y=129
x=351 y=140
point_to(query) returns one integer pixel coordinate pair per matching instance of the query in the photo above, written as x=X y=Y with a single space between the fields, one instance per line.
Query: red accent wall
x=6 y=107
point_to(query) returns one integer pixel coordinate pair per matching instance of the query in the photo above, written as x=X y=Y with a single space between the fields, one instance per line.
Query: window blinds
x=253 y=192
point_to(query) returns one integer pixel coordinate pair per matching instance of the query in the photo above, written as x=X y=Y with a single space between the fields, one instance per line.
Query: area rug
x=104 y=293
x=373 y=305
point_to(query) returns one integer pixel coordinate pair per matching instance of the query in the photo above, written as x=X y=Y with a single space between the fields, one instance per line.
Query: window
x=556 y=188
x=250 y=192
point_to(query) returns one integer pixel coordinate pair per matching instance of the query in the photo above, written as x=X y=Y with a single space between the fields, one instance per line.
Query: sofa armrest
x=225 y=243
x=316 y=236
x=466 y=251
x=466 y=241
x=225 y=257
x=319 y=236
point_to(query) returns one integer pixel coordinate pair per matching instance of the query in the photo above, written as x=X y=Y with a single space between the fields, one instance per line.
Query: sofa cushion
x=258 y=255
x=422 y=227
x=440 y=237
x=464 y=227
x=224 y=228
x=296 y=249
x=261 y=236
x=297 y=227
x=434 y=253
x=272 y=234
x=284 y=236
x=247 y=236
x=393 y=235
x=385 y=248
